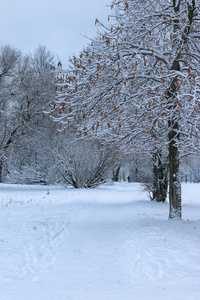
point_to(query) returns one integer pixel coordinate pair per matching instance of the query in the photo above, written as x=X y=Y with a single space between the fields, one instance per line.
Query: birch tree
x=139 y=78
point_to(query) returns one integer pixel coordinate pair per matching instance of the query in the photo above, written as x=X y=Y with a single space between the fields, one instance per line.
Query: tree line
x=31 y=151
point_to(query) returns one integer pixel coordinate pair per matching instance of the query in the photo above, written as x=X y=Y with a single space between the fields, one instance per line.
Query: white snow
x=109 y=243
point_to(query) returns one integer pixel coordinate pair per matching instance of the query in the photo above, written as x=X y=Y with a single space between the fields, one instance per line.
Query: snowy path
x=103 y=244
x=95 y=253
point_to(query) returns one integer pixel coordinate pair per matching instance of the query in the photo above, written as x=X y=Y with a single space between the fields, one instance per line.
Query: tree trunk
x=174 y=181
x=1 y=170
x=173 y=136
x=160 y=182
x=116 y=173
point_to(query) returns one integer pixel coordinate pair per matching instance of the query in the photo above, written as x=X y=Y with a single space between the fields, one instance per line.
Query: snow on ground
x=101 y=244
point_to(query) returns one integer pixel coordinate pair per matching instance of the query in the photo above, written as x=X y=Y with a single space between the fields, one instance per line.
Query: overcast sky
x=57 y=24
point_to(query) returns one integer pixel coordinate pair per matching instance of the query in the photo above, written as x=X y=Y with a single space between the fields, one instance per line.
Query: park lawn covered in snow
x=109 y=243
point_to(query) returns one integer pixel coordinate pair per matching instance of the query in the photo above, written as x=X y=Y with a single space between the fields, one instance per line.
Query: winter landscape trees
x=138 y=82
x=133 y=89
x=31 y=152
x=127 y=109
x=8 y=63
x=26 y=90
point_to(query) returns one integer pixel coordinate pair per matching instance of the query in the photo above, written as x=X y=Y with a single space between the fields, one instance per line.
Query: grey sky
x=57 y=24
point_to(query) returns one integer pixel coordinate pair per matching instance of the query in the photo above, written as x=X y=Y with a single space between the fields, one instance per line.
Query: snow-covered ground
x=109 y=243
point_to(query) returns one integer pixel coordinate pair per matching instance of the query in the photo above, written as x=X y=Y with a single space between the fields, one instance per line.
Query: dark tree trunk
x=1 y=170
x=116 y=173
x=160 y=181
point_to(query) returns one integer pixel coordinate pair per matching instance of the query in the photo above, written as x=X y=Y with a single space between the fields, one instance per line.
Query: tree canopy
x=139 y=78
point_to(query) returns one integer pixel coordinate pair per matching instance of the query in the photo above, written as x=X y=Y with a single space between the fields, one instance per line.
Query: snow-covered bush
x=82 y=163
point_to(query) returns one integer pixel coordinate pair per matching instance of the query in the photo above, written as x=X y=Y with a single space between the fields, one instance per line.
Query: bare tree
x=27 y=88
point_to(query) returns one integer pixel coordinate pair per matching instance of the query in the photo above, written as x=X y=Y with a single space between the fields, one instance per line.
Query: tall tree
x=26 y=89
x=140 y=77
x=9 y=59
